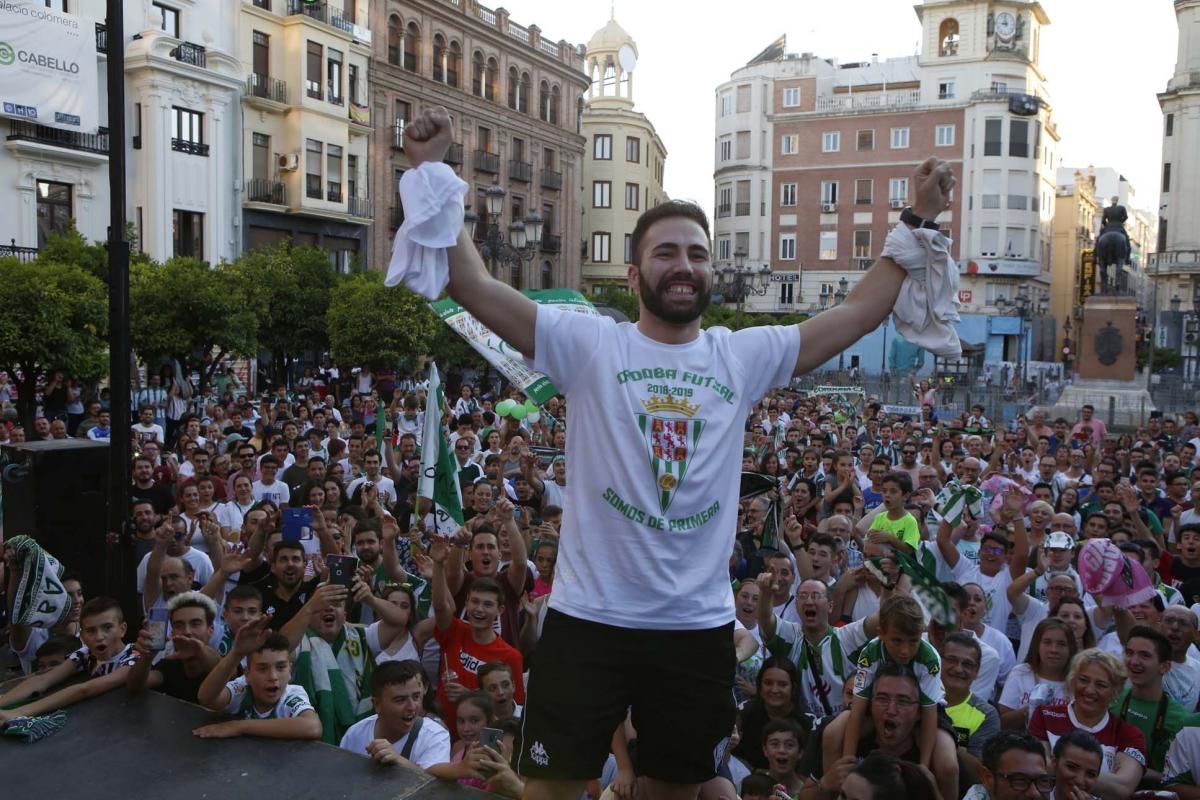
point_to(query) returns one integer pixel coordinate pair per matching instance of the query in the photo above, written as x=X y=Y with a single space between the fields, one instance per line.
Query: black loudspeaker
x=1024 y=105
x=57 y=492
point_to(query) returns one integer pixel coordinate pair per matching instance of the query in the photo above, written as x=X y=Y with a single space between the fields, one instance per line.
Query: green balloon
x=531 y=407
x=505 y=406
x=517 y=412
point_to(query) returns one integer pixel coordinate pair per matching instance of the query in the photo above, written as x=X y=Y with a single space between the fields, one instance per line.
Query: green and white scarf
x=954 y=499
x=337 y=678
x=41 y=600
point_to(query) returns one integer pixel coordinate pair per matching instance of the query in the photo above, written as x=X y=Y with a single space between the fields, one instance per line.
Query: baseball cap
x=1059 y=540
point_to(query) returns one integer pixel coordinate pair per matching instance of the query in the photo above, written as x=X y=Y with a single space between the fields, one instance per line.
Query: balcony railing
x=334 y=192
x=551 y=179
x=396 y=217
x=1183 y=261
x=191 y=148
x=264 y=190
x=22 y=254
x=454 y=155
x=724 y=209
x=190 y=53
x=520 y=171
x=318 y=11
x=360 y=206
x=266 y=87
x=741 y=209
x=863 y=263
x=312 y=187
x=398 y=135
x=487 y=162
x=334 y=95
x=868 y=101
x=551 y=244
x=101 y=38
x=31 y=132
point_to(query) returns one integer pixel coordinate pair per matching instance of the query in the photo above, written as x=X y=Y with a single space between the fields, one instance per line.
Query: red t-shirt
x=461 y=653
x=1115 y=736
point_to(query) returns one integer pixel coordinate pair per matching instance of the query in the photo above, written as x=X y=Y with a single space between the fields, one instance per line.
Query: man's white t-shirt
x=386 y=487
x=1183 y=682
x=277 y=492
x=432 y=745
x=653 y=493
x=201 y=566
x=148 y=433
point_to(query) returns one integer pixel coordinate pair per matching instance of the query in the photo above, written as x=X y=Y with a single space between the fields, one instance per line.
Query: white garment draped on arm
x=927 y=307
x=432 y=197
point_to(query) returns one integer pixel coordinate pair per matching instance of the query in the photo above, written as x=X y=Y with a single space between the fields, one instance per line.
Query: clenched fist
x=934 y=181
x=428 y=137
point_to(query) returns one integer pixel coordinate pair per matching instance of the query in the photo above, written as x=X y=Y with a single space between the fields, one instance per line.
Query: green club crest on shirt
x=670 y=442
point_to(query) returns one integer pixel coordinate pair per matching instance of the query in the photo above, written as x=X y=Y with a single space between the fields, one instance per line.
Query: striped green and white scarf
x=337 y=678
x=40 y=601
x=954 y=499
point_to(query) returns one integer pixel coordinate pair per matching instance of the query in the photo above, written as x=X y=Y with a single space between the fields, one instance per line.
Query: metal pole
x=883 y=348
x=1153 y=337
x=118 y=285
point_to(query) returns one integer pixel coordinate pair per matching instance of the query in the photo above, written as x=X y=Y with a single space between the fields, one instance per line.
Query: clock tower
x=957 y=31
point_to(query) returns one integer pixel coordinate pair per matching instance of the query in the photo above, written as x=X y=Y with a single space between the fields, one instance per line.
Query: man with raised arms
x=653 y=500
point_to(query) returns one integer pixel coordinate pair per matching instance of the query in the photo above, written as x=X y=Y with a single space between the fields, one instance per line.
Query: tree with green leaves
x=186 y=310
x=291 y=285
x=55 y=319
x=372 y=325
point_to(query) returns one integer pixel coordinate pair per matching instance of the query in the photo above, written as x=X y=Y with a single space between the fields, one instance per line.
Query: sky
x=1091 y=50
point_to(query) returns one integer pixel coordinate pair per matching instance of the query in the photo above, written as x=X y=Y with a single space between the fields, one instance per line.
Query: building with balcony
x=306 y=130
x=1175 y=267
x=183 y=122
x=814 y=160
x=623 y=168
x=516 y=100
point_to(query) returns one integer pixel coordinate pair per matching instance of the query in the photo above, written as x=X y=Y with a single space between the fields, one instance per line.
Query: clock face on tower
x=1006 y=25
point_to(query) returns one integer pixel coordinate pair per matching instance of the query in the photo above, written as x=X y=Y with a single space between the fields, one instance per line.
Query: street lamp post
x=1067 y=352
x=523 y=240
x=738 y=282
x=837 y=297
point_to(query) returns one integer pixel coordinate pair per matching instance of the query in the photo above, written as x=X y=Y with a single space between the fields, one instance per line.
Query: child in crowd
x=472 y=714
x=894 y=527
x=901 y=623
x=104 y=659
x=262 y=701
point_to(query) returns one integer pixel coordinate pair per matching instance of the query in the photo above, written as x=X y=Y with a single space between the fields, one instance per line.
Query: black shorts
x=583 y=678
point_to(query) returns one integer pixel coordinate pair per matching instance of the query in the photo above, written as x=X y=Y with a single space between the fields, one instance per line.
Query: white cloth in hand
x=927 y=306
x=432 y=196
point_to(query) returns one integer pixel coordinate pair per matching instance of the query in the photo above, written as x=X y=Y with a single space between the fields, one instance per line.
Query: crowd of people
x=844 y=678
x=892 y=601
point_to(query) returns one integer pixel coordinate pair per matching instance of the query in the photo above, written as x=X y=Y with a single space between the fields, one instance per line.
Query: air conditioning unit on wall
x=289 y=162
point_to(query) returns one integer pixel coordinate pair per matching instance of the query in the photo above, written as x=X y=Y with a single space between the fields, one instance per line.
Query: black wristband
x=908 y=217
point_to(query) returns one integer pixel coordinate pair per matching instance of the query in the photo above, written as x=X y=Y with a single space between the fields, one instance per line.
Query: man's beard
x=656 y=305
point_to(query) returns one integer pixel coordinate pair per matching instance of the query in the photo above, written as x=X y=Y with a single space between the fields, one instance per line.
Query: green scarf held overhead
x=337 y=679
x=926 y=588
x=954 y=499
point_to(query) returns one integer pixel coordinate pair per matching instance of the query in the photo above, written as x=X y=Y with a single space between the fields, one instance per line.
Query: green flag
x=439 y=470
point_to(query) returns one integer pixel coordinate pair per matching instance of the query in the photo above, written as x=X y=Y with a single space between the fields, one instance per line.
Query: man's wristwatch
x=909 y=218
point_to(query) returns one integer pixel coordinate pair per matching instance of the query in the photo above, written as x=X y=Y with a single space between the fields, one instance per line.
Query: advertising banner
x=48 y=67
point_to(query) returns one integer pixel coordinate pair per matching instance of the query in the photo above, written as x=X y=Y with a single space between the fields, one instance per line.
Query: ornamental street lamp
x=837 y=297
x=523 y=240
x=736 y=283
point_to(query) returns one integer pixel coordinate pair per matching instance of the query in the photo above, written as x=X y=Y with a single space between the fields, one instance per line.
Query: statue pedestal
x=1107 y=366
x=1127 y=404
x=1107 y=341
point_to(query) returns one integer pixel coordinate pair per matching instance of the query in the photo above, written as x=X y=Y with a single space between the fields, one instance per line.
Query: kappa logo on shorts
x=539 y=755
